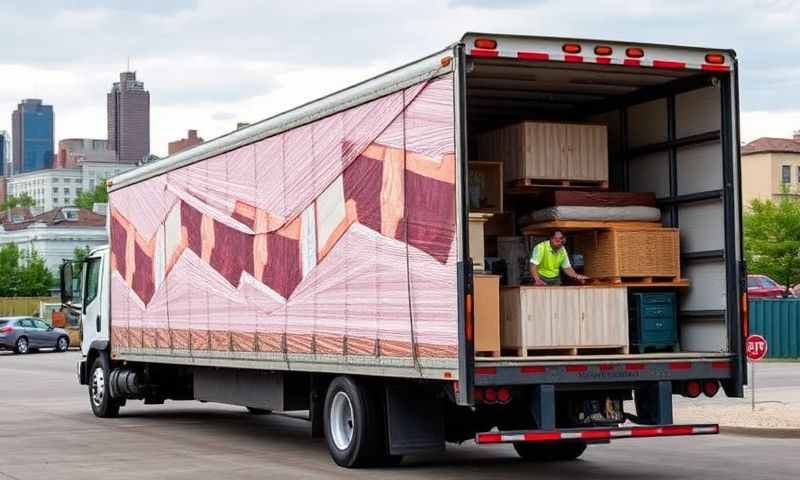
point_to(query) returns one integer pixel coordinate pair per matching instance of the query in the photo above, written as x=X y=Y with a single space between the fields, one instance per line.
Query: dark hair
x=555 y=232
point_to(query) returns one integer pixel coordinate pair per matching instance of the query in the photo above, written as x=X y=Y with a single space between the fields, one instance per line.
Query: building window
x=66 y=190
x=79 y=190
x=55 y=180
x=55 y=189
x=786 y=174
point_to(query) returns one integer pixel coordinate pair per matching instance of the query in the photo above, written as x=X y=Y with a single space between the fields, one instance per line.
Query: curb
x=761 y=432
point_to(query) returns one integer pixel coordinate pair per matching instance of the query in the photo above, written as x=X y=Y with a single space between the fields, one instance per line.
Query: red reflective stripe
x=489 y=438
x=541 y=436
x=716 y=68
x=532 y=369
x=596 y=434
x=533 y=56
x=680 y=365
x=576 y=368
x=669 y=64
x=603 y=60
x=573 y=58
x=632 y=63
x=486 y=371
x=482 y=52
x=606 y=368
x=721 y=365
x=635 y=366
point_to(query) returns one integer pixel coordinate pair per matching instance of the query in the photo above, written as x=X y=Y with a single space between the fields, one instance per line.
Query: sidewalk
x=777 y=409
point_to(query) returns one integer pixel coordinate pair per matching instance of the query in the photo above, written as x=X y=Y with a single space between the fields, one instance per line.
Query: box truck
x=319 y=259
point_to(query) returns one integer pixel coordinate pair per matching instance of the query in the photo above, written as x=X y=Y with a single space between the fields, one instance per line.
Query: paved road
x=48 y=432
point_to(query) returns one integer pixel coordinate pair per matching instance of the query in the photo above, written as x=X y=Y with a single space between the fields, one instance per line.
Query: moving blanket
x=334 y=238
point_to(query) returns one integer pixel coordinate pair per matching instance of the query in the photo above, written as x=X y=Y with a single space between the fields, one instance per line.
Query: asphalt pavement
x=47 y=431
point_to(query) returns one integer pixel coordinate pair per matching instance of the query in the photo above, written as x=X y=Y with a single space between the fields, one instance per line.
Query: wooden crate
x=548 y=151
x=487 y=314
x=485 y=187
x=630 y=253
x=566 y=320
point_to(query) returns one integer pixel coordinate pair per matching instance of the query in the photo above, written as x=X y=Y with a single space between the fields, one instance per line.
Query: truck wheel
x=353 y=428
x=258 y=411
x=550 y=452
x=103 y=405
x=62 y=344
x=21 y=345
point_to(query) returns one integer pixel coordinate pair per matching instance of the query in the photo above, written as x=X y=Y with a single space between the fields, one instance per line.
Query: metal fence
x=778 y=321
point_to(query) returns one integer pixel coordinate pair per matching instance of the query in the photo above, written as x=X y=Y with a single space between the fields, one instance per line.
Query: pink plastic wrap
x=333 y=239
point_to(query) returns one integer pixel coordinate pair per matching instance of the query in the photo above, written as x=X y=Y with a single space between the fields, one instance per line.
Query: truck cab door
x=93 y=325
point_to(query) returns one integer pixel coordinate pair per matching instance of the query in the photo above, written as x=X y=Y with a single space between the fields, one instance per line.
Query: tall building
x=191 y=140
x=129 y=119
x=5 y=153
x=771 y=168
x=73 y=152
x=32 y=127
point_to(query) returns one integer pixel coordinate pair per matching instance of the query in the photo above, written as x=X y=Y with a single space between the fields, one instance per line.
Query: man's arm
x=570 y=272
x=537 y=280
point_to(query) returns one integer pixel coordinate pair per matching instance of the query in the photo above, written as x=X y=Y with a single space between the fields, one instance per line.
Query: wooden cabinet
x=477 y=239
x=548 y=151
x=487 y=314
x=574 y=318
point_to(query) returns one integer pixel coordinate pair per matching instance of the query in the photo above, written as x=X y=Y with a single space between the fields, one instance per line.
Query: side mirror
x=65 y=275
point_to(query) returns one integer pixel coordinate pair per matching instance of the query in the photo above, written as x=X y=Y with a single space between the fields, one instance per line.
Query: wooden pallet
x=565 y=350
x=644 y=280
x=488 y=354
x=530 y=185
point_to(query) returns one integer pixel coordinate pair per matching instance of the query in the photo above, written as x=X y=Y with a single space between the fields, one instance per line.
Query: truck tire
x=550 y=452
x=353 y=427
x=102 y=404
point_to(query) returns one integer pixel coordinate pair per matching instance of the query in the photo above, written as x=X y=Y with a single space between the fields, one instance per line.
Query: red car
x=761 y=286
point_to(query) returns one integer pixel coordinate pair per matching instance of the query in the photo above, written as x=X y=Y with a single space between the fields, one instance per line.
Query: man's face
x=556 y=241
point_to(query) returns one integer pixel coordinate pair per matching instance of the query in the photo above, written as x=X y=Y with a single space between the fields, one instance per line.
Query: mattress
x=584 y=198
x=608 y=214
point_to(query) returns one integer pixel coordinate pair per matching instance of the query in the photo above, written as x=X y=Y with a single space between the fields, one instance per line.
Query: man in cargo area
x=549 y=258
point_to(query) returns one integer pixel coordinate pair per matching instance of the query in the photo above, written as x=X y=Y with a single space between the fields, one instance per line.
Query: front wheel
x=103 y=405
x=62 y=344
x=550 y=452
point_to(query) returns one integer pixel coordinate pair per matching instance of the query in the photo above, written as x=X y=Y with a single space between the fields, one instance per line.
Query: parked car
x=24 y=334
x=761 y=286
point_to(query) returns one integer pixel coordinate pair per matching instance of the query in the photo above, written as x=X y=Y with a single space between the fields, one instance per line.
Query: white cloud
x=209 y=64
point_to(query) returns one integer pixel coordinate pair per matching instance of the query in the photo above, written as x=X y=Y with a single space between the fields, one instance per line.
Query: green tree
x=23 y=200
x=23 y=274
x=35 y=279
x=772 y=239
x=88 y=198
x=80 y=253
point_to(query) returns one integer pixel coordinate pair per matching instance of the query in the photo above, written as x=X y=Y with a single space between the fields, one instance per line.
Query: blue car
x=24 y=334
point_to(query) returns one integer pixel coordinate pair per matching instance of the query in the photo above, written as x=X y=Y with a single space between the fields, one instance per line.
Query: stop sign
x=755 y=347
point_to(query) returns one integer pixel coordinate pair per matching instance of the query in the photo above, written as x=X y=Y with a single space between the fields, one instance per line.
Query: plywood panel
x=487 y=313
x=605 y=314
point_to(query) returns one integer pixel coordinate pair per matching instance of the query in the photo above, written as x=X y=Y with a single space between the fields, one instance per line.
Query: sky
x=211 y=64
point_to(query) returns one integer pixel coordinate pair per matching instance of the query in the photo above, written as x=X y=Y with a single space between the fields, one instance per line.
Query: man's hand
x=581 y=278
x=539 y=282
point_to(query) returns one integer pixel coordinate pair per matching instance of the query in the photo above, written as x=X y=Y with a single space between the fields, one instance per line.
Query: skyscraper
x=32 y=130
x=129 y=119
x=5 y=153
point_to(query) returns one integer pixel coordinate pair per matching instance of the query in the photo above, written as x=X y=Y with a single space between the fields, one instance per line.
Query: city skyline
x=208 y=75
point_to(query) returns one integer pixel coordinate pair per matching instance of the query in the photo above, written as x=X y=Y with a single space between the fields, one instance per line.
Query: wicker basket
x=631 y=253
